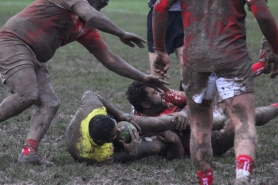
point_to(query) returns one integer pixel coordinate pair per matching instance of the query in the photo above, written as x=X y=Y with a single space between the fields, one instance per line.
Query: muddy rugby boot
x=32 y=158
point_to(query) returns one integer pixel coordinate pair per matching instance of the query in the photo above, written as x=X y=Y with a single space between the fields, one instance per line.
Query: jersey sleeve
x=92 y=41
x=178 y=98
x=67 y=4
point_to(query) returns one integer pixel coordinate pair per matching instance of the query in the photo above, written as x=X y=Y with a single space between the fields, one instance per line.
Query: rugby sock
x=29 y=146
x=205 y=177
x=244 y=166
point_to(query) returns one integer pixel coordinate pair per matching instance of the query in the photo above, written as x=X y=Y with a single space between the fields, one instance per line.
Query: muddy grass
x=73 y=70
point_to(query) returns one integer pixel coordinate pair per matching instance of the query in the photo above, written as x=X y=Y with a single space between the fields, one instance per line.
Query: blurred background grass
x=73 y=70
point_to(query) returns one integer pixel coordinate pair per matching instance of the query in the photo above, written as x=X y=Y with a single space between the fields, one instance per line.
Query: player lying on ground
x=150 y=103
x=163 y=119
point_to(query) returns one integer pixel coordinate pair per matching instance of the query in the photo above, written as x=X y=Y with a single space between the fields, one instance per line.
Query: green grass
x=73 y=70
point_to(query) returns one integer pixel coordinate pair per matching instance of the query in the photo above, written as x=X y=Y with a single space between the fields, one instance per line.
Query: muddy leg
x=47 y=107
x=200 y=141
x=265 y=114
x=223 y=140
x=242 y=114
x=23 y=84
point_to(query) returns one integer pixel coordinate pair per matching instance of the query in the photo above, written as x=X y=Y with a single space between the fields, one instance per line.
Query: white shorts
x=221 y=88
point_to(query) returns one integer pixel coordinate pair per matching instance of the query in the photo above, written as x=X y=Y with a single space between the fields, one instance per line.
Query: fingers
x=162 y=73
x=272 y=65
x=136 y=125
x=166 y=67
x=122 y=143
x=163 y=82
x=134 y=135
x=139 y=42
x=130 y=44
x=160 y=137
x=274 y=71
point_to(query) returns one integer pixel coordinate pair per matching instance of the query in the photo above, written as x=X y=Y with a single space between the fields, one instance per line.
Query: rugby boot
x=32 y=158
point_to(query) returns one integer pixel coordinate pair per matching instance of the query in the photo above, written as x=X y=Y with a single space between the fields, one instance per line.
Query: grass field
x=73 y=70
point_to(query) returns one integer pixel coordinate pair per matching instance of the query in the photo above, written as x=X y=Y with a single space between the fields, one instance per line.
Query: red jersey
x=175 y=101
x=45 y=25
x=215 y=33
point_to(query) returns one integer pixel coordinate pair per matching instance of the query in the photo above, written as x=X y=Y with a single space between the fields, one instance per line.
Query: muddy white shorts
x=222 y=85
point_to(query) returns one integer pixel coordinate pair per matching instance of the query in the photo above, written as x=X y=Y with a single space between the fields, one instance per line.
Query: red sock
x=205 y=177
x=29 y=146
x=244 y=166
x=275 y=104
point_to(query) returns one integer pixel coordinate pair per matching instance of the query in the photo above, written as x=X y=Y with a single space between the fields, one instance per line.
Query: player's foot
x=241 y=181
x=32 y=158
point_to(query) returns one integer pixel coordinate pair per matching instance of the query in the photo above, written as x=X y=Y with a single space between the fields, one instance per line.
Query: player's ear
x=100 y=142
x=145 y=104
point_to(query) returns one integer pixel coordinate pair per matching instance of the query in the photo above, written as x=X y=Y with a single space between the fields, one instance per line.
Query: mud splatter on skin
x=241 y=112
x=243 y=132
x=201 y=154
x=201 y=125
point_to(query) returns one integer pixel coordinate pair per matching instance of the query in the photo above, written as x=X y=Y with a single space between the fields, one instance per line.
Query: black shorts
x=174 y=31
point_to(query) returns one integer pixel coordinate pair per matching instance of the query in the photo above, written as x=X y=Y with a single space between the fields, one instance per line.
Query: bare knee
x=50 y=102
x=28 y=97
x=54 y=103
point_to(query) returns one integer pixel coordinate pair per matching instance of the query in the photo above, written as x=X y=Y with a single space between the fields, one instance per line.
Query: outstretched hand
x=156 y=83
x=131 y=39
x=161 y=63
x=272 y=65
x=132 y=148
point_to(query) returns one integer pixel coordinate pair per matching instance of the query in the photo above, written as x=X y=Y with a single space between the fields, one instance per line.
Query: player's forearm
x=147 y=148
x=103 y=23
x=119 y=66
x=160 y=16
x=96 y=19
x=266 y=22
x=111 y=109
x=153 y=125
x=122 y=157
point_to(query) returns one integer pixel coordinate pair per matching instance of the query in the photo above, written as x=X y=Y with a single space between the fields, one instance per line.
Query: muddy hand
x=131 y=39
x=181 y=120
x=273 y=61
x=128 y=117
x=132 y=147
x=156 y=83
x=161 y=63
